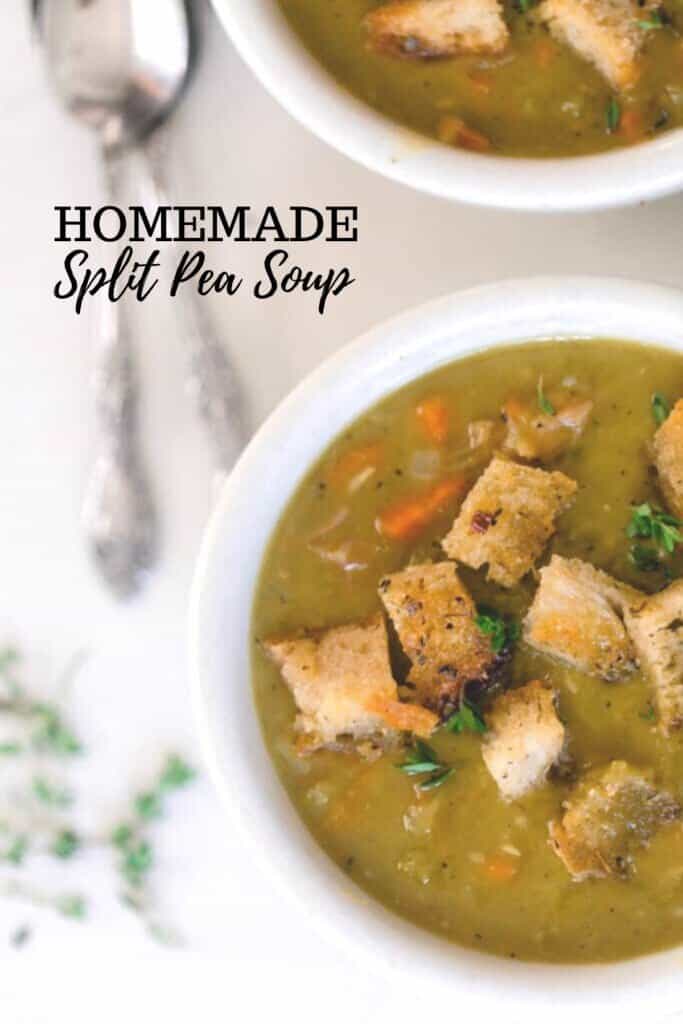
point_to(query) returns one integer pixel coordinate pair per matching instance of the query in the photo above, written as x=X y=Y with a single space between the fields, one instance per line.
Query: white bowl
x=261 y=34
x=249 y=507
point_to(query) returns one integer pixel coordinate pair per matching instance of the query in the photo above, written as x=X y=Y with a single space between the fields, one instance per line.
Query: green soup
x=536 y=99
x=428 y=855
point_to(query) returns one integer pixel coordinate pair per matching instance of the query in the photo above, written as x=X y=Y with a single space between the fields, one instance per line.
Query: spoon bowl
x=119 y=67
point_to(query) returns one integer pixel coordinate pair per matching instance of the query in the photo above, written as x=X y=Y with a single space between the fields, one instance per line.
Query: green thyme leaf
x=653 y=21
x=466 y=719
x=10 y=748
x=50 y=795
x=122 y=836
x=502 y=634
x=51 y=734
x=71 y=905
x=544 y=403
x=137 y=861
x=16 y=851
x=176 y=774
x=65 y=844
x=148 y=805
x=613 y=115
x=435 y=780
x=652 y=523
x=649 y=715
x=644 y=558
x=660 y=408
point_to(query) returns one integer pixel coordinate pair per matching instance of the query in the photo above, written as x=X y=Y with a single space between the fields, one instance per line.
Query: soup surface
x=536 y=98
x=456 y=857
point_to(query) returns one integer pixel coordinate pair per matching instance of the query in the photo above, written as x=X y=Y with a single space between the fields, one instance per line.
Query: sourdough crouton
x=343 y=687
x=577 y=616
x=668 y=451
x=614 y=811
x=604 y=32
x=437 y=28
x=655 y=625
x=507 y=519
x=435 y=620
x=525 y=738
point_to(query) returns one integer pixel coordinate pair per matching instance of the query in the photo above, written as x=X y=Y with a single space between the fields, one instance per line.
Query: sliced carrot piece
x=433 y=416
x=501 y=868
x=455 y=132
x=406 y=518
x=631 y=125
x=545 y=52
x=348 y=465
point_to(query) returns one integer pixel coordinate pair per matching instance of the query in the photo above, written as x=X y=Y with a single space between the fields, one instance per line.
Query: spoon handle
x=212 y=378
x=118 y=512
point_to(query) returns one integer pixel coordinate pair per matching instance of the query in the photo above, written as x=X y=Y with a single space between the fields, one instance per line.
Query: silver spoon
x=120 y=66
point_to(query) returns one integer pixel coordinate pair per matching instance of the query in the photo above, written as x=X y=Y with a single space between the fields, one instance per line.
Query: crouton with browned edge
x=614 y=811
x=606 y=33
x=342 y=684
x=428 y=29
x=435 y=620
x=525 y=738
x=577 y=616
x=507 y=519
x=668 y=451
x=655 y=625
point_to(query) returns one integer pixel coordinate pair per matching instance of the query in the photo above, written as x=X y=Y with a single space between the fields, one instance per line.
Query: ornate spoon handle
x=118 y=513
x=213 y=381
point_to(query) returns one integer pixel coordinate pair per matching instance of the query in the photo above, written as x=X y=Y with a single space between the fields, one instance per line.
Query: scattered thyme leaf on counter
x=544 y=403
x=44 y=743
x=65 y=844
x=467 y=718
x=660 y=408
x=652 y=523
x=613 y=115
x=502 y=634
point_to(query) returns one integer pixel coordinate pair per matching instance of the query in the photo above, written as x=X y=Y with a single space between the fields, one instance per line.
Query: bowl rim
x=295 y=79
x=252 y=499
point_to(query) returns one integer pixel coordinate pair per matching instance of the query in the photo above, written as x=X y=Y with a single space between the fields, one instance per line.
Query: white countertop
x=229 y=144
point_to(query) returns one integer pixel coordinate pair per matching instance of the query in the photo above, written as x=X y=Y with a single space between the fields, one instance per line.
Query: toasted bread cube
x=435 y=620
x=437 y=28
x=668 y=451
x=655 y=625
x=507 y=519
x=614 y=811
x=605 y=33
x=343 y=687
x=577 y=616
x=525 y=739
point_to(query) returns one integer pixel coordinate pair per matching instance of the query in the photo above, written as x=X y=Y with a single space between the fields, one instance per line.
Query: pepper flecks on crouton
x=435 y=620
x=614 y=811
x=507 y=519
x=668 y=451
x=525 y=739
x=604 y=32
x=424 y=29
x=655 y=625
x=343 y=687
x=577 y=616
